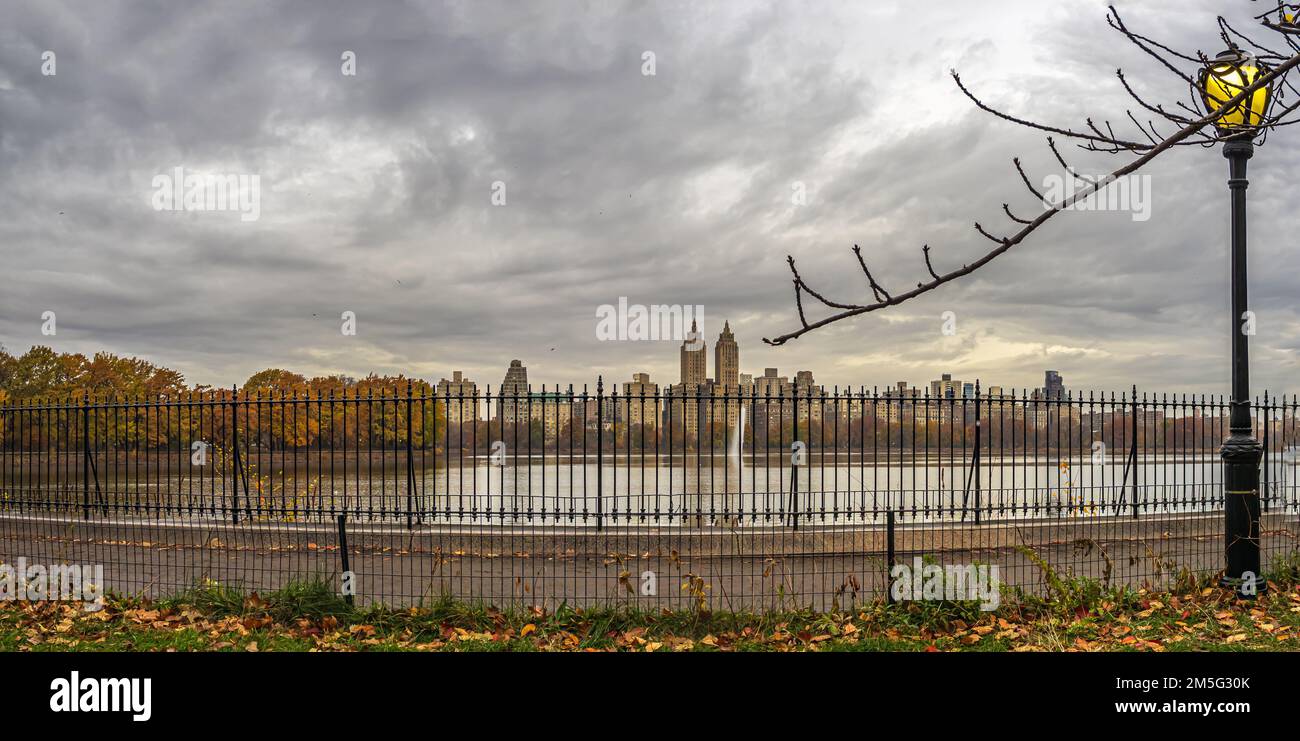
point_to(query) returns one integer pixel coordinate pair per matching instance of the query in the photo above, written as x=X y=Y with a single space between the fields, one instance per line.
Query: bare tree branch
x=1097 y=137
x=1193 y=131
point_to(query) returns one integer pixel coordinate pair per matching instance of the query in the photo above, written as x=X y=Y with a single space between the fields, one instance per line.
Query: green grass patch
x=1075 y=615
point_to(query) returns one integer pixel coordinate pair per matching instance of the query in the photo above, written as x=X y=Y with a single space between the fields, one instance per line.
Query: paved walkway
x=748 y=568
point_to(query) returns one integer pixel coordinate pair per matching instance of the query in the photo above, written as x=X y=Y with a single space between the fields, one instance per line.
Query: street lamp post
x=1241 y=452
x=1223 y=79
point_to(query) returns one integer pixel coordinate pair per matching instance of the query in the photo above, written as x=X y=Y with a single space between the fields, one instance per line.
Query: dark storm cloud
x=672 y=188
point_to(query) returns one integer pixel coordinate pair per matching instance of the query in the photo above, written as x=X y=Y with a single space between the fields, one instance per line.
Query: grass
x=1078 y=615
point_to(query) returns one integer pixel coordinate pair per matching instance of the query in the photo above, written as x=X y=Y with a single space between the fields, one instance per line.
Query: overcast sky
x=671 y=188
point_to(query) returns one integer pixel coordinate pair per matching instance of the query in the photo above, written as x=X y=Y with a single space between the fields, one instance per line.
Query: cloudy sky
x=376 y=189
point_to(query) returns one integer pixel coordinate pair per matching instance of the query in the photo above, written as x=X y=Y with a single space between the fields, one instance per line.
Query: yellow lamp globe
x=1225 y=78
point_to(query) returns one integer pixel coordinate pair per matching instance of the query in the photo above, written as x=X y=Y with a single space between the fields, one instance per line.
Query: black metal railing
x=700 y=460
x=580 y=457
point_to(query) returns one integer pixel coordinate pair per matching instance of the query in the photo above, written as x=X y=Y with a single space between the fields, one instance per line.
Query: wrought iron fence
x=705 y=496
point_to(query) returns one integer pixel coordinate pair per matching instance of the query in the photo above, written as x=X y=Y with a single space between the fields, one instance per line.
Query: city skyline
x=727 y=379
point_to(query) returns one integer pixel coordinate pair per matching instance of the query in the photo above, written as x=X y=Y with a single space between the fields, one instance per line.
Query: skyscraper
x=726 y=360
x=514 y=393
x=692 y=393
x=1053 y=385
x=694 y=355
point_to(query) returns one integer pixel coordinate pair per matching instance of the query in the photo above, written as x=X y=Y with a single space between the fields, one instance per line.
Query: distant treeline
x=46 y=375
x=136 y=404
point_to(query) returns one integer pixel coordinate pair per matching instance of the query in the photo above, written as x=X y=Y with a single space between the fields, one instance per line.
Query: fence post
x=600 y=451
x=410 y=464
x=794 y=494
x=1263 y=489
x=889 y=549
x=343 y=552
x=794 y=457
x=234 y=441
x=976 y=461
x=1133 y=453
x=85 y=463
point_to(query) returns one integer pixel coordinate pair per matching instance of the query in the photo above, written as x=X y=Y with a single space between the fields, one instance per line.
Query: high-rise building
x=772 y=395
x=513 y=394
x=461 y=397
x=808 y=396
x=694 y=359
x=726 y=360
x=946 y=387
x=547 y=408
x=596 y=412
x=770 y=384
x=897 y=402
x=640 y=404
x=1053 y=385
x=691 y=395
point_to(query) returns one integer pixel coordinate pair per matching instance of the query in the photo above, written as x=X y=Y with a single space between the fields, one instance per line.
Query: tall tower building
x=1053 y=385
x=692 y=391
x=514 y=394
x=694 y=359
x=726 y=360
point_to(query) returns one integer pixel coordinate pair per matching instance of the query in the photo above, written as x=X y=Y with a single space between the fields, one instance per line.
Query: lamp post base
x=1245 y=588
x=1241 y=454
